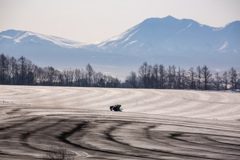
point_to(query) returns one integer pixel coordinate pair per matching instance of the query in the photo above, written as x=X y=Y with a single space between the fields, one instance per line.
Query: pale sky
x=98 y=20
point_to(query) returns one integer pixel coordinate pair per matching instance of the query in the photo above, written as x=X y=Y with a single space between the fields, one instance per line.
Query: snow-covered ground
x=184 y=103
x=154 y=124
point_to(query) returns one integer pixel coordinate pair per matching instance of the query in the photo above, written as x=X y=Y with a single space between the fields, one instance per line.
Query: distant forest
x=22 y=71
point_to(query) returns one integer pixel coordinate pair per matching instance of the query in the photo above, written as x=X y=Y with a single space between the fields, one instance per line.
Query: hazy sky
x=98 y=20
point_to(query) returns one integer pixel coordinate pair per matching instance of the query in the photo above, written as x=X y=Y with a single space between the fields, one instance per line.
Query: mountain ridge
x=168 y=41
x=167 y=33
x=18 y=35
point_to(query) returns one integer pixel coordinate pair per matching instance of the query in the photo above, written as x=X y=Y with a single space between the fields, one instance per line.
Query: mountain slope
x=170 y=36
x=22 y=37
x=44 y=50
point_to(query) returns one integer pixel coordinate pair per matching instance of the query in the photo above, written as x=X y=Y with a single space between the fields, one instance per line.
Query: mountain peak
x=154 y=21
x=169 y=17
x=157 y=19
x=12 y=33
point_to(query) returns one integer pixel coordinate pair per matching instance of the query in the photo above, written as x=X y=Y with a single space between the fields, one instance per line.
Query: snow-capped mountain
x=44 y=50
x=171 y=36
x=168 y=41
x=24 y=37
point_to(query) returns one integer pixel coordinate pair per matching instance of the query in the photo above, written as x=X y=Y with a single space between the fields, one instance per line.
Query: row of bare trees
x=22 y=71
x=172 y=77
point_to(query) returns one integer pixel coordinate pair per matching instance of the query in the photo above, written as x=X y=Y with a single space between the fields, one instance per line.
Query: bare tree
x=50 y=72
x=233 y=76
x=184 y=79
x=68 y=75
x=98 y=80
x=199 y=76
x=149 y=77
x=206 y=77
x=30 y=72
x=71 y=76
x=225 y=80
x=143 y=73
x=238 y=81
x=218 y=81
x=192 y=75
x=3 y=69
x=162 y=76
x=65 y=76
x=13 y=71
x=155 y=74
x=172 y=77
x=40 y=75
x=77 y=76
x=60 y=79
x=132 y=80
x=22 y=70
x=111 y=82
x=90 y=73
x=102 y=82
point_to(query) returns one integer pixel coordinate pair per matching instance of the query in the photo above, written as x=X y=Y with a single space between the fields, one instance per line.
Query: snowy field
x=154 y=124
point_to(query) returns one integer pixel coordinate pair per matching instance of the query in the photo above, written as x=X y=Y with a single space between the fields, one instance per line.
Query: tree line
x=22 y=71
x=172 y=77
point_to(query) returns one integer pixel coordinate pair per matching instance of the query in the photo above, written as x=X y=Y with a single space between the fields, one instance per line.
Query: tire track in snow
x=79 y=122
